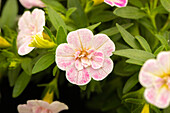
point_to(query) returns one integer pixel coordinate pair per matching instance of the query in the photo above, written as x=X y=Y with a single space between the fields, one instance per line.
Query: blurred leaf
x=166 y=110
x=56 y=19
x=135 y=54
x=166 y=4
x=55 y=69
x=8 y=16
x=114 y=30
x=61 y=36
x=128 y=38
x=143 y=43
x=136 y=3
x=134 y=101
x=57 y=6
x=92 y=27
x=21 y=84
x=78 y=16
x=129 y=12
x=26 y=65
x=163 y=41
x=155 y=109
x=158 y=50
x=70 y=11
x=131 y=82
x=43 y=63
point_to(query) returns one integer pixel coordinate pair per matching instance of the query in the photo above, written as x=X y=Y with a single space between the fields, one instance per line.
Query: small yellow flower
x=96 y=2
x=42 y=40
x=4 y=43
x=49 y=97
x=145 y=108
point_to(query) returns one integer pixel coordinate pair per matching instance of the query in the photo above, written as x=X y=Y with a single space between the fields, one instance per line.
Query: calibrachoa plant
x=107 y=56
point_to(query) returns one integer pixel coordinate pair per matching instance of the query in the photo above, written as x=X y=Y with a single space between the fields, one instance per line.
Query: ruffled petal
x=38 y=17
x=78 y=64
x=118 y=3
x=64 y=56
x=57 y=106
x=164 y=60
x=24 y=109
x=97 y=60
x=38 y=103
x=74 y=76
x=103 y=72
x=102 y=42
x=24 y=48
x=31 y=3
x=158 y=97
x=80 y=39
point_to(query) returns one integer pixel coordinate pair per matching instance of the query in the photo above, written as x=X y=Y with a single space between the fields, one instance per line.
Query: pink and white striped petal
x=24 y=109
x=77 y=77
x=118 y=3
x=64 y=56
x=102 y=42
x=103 y=72
x=97 y=60
x=78 y=65
x=159 y=98
x=24 y=48
x=32 y=3
x=164 y=60
x=80 y=39
x=38 y=17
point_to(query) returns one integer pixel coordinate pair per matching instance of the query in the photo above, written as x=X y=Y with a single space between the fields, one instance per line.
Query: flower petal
x=31 y=3
x=24 y=49
x=97 y=60
x=57 y=106
x=102 y=42
x=64 y=56
x=118 y=3
x=104 y=71
x=77 y=77
x=38 y=17
x=38 y=103
x=158 y=97
x=78 y=65
x=164 y=59
x=24 y=109
x=80 y=39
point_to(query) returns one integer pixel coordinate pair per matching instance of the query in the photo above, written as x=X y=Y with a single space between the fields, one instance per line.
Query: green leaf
x=92 y=27
x=13 y=74
x=102 y=16
x=163 y=41
x=129 y=12
x=61 y=36
x=8 y=16
x=143 y=43
x=134 y=101
x=128 y=38
x=113 y=30
x=43 y=63
x=166 y=4
x=57 y=6
x=26 y=65
x=166 y=110
x=136 y=3
x=50 y=34
x=136 y=62
x=55 y=69
x=131 y=82
x=21 y=84
x=158 y=50
x=56 y=19
x=78 y=16
x=70 y=11
x=135 y=54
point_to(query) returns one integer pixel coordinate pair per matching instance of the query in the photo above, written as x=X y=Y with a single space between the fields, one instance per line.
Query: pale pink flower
x=40 y=106
x=32 y=3
x=29 y=24
x=118 y=3
x=155 y=77
x=85 y=56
